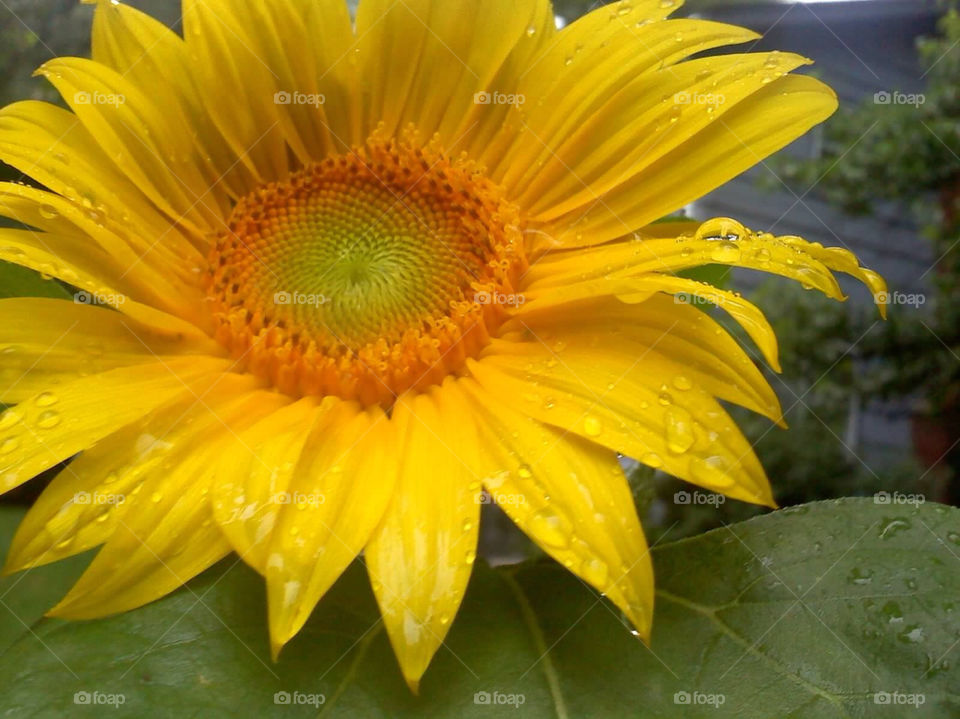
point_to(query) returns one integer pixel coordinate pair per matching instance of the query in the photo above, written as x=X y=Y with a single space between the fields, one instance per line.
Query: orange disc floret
x=367 y=274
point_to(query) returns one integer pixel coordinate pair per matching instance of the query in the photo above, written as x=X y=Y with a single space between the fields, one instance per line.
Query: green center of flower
x=364 y=275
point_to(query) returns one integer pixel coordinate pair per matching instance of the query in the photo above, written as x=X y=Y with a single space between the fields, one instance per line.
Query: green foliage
x=16 y=281
x=806 y=612
x=907 y=152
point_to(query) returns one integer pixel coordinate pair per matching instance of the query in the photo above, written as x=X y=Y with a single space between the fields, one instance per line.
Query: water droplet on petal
x=46 y=399
x=595 y=571
x=550 y=528
x=679 y=430
x=48 y=419
x=592 y=426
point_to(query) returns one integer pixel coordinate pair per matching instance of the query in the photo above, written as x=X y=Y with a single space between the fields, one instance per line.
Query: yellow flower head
x=339 y=278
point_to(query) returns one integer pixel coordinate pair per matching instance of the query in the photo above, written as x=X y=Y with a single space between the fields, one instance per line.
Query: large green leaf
x=801 y=613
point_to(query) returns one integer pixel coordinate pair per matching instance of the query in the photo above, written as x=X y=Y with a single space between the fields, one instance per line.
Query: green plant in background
x=906 y=148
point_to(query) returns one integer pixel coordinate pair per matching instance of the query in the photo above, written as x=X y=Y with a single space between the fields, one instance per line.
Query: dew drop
x=651 y=459
x=46 y=399
x=48 y=419
x=891 y=527
x=9 y=444
x=595 y=571
x=860 y=576
x=682 y=383
x=9 y=418
x=726 y=251
x=592 y=426
x=48 y=212
x=711 y=471
x=550 y=528
x=679 y=430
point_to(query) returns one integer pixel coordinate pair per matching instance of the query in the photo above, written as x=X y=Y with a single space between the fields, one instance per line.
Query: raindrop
x=48 y=419
x=595 y=571
x=9 y=444
x=860 y=576
x=679 y=428
x=9 y=418
x=46 y=399
x=892 y=526
x=550 y=527
x=682 y=382
x=592 y=426
x=652 y=459
x=48 y=212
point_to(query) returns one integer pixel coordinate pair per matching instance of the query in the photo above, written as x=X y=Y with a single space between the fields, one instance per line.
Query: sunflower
x=341 y=281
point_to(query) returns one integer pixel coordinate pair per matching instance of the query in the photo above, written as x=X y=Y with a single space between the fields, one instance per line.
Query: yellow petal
x=341 y=488
x=621 y=114
x=426 y=59
x=254 y=478
x=150 y=147
x=617 y=402
x=237 y=86
x=674 y=339
x=152 y=55
x=46 y=342
x=663 y=111
x=165 y=532
x=753 y=129
x=421 y=556
x=571 y=497
x=52 y=146
x=43 y=431
x=81 y=507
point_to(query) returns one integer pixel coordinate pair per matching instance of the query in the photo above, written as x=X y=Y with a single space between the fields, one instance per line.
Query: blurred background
x=872 y=406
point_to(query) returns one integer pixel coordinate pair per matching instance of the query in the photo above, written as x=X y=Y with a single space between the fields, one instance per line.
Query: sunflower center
x=367 y=274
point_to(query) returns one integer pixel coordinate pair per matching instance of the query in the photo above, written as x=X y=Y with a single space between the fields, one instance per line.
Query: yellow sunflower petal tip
x=337 y=254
